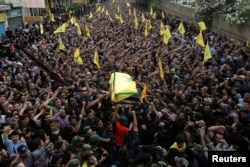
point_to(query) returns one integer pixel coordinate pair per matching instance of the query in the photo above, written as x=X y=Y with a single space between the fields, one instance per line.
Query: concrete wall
x=219 y=24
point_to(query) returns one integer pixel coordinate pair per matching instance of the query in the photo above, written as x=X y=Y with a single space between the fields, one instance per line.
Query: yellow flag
x=90 y=15
x=165 y=38
x=154 y=15
x=117 y=16
x=128 y=4
x=144 y=91
x=121 y=19
x=87 y=31
x=146 y=30
x=166 y=35
x=161 y=69
x=248 y=42
x=181 y=29
x=162 y=15
x=98 y=9
x=70 y=14
x=207 y=53
x=169 y=35
x=51 y=16
x=134 y=12
x=136 y=22
x=122 y=86
x=151 y=11
x=41 y=28
x=96 y=60
x=61 y=45
x=107 y=14
x=143 y=18
x=129 y=11
x=62 y=28
x=199 y=39
x=162 y=28
x=77 y=56
x=102 y=10
x=79 y=31
x=73 y=20
x=149 y=25
x=202 y=26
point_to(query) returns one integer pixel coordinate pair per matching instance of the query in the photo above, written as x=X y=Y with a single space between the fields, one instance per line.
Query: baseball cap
x=196 y=149
x=22 y=149
x=77 y=139
x=86 y=128
x=86 y=147
x=161 y=164
x=74 y=163
x=182 y=161
x=72 y=99
x=94 y=138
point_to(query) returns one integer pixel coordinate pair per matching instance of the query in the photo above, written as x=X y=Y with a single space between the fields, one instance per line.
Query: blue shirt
x=12 y=147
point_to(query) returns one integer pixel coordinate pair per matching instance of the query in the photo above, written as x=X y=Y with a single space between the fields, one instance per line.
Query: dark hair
x=58 y=144
x=14 y=133
x=239 y=126
x=153 y=115
x=180 y=138
x=37 y=142
x=108 y=123
x=54 y=137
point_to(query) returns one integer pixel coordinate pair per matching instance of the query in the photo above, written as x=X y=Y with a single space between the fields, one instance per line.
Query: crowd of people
x=197 y=107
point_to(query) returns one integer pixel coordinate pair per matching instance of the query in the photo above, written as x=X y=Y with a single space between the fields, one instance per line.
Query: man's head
x=91 y=159
x=218 y=137
x=14 y=136
x=180 y=140
x=22 y=151
x=54 y=125
x=62 y=112
x=87 y=131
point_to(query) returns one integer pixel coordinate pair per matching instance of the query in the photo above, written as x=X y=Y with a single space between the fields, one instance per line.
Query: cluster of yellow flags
x=199 y=40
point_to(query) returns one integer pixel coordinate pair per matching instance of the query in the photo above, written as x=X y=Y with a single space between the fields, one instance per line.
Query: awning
x=18 y=5
x=4 y=7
